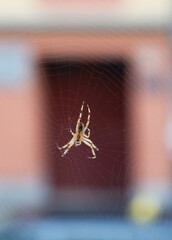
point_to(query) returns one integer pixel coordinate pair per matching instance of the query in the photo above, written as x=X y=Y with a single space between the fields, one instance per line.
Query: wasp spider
x=80 y=135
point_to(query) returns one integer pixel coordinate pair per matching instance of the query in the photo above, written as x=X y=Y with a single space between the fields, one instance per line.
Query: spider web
x=104 y=81
x=102 y=84
x=80 y=184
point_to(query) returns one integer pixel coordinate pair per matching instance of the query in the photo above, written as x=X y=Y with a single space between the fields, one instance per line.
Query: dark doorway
x=101 y=84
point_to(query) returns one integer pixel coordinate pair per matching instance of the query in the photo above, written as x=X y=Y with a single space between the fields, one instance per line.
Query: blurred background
x=116 y=56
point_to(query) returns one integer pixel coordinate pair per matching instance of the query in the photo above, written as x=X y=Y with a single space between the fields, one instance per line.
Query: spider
x=79 y=136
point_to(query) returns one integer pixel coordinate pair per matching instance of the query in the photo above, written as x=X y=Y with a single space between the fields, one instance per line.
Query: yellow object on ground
x=143 y=209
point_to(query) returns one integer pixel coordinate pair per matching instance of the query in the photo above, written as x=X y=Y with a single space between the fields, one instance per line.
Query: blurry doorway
x=83 y=183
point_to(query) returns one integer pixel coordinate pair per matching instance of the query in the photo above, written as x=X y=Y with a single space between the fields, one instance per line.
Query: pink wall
x=21 y=151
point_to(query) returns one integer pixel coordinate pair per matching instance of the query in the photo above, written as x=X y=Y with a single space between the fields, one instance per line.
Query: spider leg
x=88 y=119
x=87 y=136
x=67 y=149
x=92 y=149
x=71 y=132
x=80 y=115
x=88 y=140
x=62 y=146
x=72 y=140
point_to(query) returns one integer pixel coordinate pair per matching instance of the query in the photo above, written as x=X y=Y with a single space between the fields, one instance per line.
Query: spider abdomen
x=80 y=127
